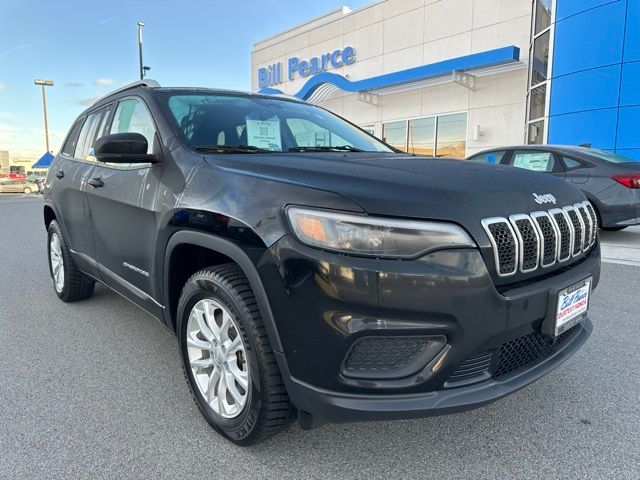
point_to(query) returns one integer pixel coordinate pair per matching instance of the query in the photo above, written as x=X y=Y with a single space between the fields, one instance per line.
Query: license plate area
x=571 y=306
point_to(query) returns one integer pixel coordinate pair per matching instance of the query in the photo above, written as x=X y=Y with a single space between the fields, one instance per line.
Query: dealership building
x=452 y=77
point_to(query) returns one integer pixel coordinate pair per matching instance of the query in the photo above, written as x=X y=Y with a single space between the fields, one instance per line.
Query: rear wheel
x=69 y=283
x=227 y=358
x=27 y=190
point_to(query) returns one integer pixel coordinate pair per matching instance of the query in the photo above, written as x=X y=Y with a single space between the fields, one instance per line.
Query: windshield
x=223 y=122
x=609 y=157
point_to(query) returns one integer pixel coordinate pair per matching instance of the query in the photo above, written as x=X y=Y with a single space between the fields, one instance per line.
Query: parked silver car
x=610 y=182
x=17 y=186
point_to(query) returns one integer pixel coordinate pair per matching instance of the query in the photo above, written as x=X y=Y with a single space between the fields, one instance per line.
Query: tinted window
x=608 y=156
x=132 y=116
x=264 y=123
x=571 y=164
x=69 y=147
x=540 y=66
x=489 y=157
x=536 y=161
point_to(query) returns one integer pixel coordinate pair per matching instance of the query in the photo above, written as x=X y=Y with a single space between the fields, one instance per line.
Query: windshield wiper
x=231 y=149
x=323 y=148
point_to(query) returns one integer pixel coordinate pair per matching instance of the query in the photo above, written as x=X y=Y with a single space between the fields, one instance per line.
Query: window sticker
x=264 y=134
x=538 y=162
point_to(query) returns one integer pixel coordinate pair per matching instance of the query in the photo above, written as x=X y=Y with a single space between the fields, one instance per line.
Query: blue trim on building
x=498 y=56
x=595 y=97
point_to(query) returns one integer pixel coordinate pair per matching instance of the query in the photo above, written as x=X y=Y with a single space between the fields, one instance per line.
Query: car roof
x=152 y=85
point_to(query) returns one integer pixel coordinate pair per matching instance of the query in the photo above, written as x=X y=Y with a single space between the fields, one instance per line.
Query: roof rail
x=140 y=83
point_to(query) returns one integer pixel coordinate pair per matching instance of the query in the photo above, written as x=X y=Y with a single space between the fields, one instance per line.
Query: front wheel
x=27 y=190
x=227 y=358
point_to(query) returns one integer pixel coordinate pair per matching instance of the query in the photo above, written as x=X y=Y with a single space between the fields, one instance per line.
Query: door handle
x=96 y=182
x=59 y=173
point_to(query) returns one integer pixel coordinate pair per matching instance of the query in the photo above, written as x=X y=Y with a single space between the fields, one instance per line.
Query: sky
x=90 y=48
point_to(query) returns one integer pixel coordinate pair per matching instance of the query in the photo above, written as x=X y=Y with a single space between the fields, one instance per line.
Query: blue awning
x=44 y=161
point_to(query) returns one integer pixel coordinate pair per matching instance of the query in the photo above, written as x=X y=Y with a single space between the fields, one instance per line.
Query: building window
x=422 y=136
x=443 y=136
x=540 y=64
x=370 y=128
x=395 y=134
x=451 y=139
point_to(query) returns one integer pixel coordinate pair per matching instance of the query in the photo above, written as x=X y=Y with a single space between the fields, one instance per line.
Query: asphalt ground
x=95 y=390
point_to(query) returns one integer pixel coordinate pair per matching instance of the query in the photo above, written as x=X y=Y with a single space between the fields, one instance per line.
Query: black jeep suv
x=308 y=268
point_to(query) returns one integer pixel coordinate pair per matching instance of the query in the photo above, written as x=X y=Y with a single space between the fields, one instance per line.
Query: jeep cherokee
x=308 y=269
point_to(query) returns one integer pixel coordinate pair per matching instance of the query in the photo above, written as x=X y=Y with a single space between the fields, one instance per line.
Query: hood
x=409 y=186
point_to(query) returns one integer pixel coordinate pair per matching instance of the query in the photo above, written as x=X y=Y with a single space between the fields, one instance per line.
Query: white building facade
x=434 y=77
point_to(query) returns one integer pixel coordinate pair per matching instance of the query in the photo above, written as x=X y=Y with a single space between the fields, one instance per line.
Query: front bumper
x=338 y=407
x=324 y=302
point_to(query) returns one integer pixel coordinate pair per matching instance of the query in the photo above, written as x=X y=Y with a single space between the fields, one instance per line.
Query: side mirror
x=123 y=148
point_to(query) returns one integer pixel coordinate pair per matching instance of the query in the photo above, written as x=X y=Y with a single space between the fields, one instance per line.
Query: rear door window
x=535 y=161
x=69 y=148
x=92 y=129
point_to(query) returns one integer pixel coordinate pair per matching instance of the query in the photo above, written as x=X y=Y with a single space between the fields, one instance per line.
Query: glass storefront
x=442 y=136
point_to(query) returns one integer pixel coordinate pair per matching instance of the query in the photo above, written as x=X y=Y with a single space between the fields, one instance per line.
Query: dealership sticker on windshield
x=573 y=303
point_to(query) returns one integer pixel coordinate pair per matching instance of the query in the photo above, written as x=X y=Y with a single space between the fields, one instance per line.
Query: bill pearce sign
x=272 y=74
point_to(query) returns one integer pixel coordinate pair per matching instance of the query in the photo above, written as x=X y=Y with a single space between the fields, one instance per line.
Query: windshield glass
x=207 y=121
x=609 y=157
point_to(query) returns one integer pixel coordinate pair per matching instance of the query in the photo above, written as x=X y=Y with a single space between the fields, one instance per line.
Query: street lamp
x=140 y=27
x=45 y=83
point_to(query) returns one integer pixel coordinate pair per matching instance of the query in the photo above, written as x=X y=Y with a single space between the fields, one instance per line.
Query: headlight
x=374 y=237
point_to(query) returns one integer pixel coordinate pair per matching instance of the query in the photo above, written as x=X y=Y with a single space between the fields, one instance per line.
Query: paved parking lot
x=95 y=390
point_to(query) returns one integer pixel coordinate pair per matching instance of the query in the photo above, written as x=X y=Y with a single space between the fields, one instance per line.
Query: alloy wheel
x=217 y=358
x=57 y=262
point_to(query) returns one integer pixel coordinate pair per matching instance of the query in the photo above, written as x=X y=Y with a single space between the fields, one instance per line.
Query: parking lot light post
x=140 y=26
x=45 y=83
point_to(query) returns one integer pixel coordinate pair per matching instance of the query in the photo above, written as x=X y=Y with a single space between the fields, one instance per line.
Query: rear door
x=122 y=201
x=67 y=180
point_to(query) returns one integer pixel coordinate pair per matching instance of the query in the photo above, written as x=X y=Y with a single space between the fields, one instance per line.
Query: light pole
x=45 y=83
x=140 y=26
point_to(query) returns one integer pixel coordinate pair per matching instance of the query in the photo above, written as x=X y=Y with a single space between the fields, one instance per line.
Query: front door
x=122 y=201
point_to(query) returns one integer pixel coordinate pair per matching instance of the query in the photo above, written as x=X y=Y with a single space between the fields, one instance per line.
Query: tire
x=27 y=190
x=266 y=409
x=71 y=285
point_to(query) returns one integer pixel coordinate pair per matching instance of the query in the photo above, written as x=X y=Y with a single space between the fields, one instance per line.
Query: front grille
x=383 y=354
x=526 y=242
x=526 y=350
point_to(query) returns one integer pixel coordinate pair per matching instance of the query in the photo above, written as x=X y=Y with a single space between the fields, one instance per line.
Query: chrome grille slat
x=527 y=242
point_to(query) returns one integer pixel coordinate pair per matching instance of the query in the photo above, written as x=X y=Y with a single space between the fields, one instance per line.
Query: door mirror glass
x=123 y=148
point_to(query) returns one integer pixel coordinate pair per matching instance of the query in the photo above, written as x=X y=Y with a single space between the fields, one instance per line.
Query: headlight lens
x=375 y=237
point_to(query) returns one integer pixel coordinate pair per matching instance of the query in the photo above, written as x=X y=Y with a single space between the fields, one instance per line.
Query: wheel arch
x=223 y=250
x=49 y=215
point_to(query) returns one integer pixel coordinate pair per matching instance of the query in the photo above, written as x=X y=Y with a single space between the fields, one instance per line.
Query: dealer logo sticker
x=546 y=198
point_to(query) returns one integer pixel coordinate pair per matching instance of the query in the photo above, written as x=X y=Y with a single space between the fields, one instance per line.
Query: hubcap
x=217 y=358
x=57 y=262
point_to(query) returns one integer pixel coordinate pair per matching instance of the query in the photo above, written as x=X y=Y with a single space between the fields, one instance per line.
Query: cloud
x=72 y=84
x=106 y=20
x=103 y=81
x=17 y=48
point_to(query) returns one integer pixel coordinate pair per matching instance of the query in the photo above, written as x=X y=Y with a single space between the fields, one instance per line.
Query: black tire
x=77 y=286
x=268 y=409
